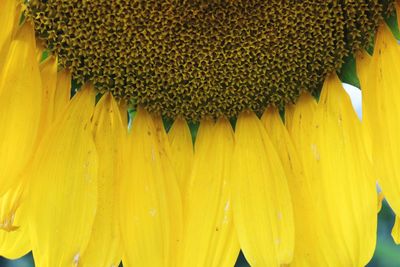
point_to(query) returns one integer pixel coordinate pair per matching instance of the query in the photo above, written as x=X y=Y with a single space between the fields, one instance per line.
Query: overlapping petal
x=342 y=187
x=260 y=196
x=104 y=248
x=71 y=189
x=14 y=236
x=14 y=207
x=298 y=185
x=20 y=107
x=298 y=121
x=172 y=190
x=181 y=151
x=209 y=238
x=150 y=206
x=48 y=73
x=379 y=77
x=63 y=189
x=8 y=21
x=63 y=93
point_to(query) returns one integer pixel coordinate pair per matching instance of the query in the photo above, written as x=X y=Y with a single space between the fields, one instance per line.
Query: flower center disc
x=196 y=58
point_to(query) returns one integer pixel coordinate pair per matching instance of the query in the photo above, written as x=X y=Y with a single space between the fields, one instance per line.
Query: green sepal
x=348 y=72
x=391 y=21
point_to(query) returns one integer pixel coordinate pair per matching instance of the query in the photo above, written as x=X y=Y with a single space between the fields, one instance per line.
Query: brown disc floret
x=197 y=58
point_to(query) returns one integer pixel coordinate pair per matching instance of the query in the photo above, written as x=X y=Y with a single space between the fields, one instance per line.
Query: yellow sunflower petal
x=39 y=51
x=209 y=238
x=298 y=185
x=381 y=197
x=181 y=151
x=343 y=190
x=14 y=243
x=9 y=203
x=48 y=72
x=63 y=93
x=63 y=189
x=20 y=107
x=172 y=190
x=298 y=121
x=260 y=196
x=104 y=248
x=7 y=25
x=396 y=231
x=364 y=61
x=289 y=114
x=380 y=89
x=148 y=198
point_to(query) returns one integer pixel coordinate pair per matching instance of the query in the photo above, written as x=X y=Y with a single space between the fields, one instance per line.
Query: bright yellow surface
x=379 y=76
x=48 y=73
x=20 y=107
x=104 y=248
x=63 y=189
x=181 y=151
x=62 y=94
x=298 y=185
x=14 y=236
x=343 y=194
x=150 y=213
x=8 y=21
x=260 y=196
x=209 y=238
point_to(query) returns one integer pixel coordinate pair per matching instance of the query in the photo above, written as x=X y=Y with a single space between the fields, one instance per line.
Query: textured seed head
x=197 y=58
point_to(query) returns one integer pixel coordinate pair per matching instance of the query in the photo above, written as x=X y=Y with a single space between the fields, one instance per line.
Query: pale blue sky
x=355 y=96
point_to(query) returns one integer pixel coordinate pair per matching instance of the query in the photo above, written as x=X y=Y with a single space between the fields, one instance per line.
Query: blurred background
x=387 y=254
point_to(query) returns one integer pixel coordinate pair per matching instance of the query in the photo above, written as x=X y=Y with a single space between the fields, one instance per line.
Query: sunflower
x=179 y=132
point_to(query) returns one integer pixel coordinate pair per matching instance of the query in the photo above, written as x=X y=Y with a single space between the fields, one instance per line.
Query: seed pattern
x=197 y=58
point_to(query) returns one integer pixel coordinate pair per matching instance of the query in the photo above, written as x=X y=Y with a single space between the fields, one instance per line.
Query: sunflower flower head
x=204 y=58
x=179 y=132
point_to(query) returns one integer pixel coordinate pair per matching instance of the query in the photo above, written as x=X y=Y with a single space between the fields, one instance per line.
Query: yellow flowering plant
x=280 y=167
